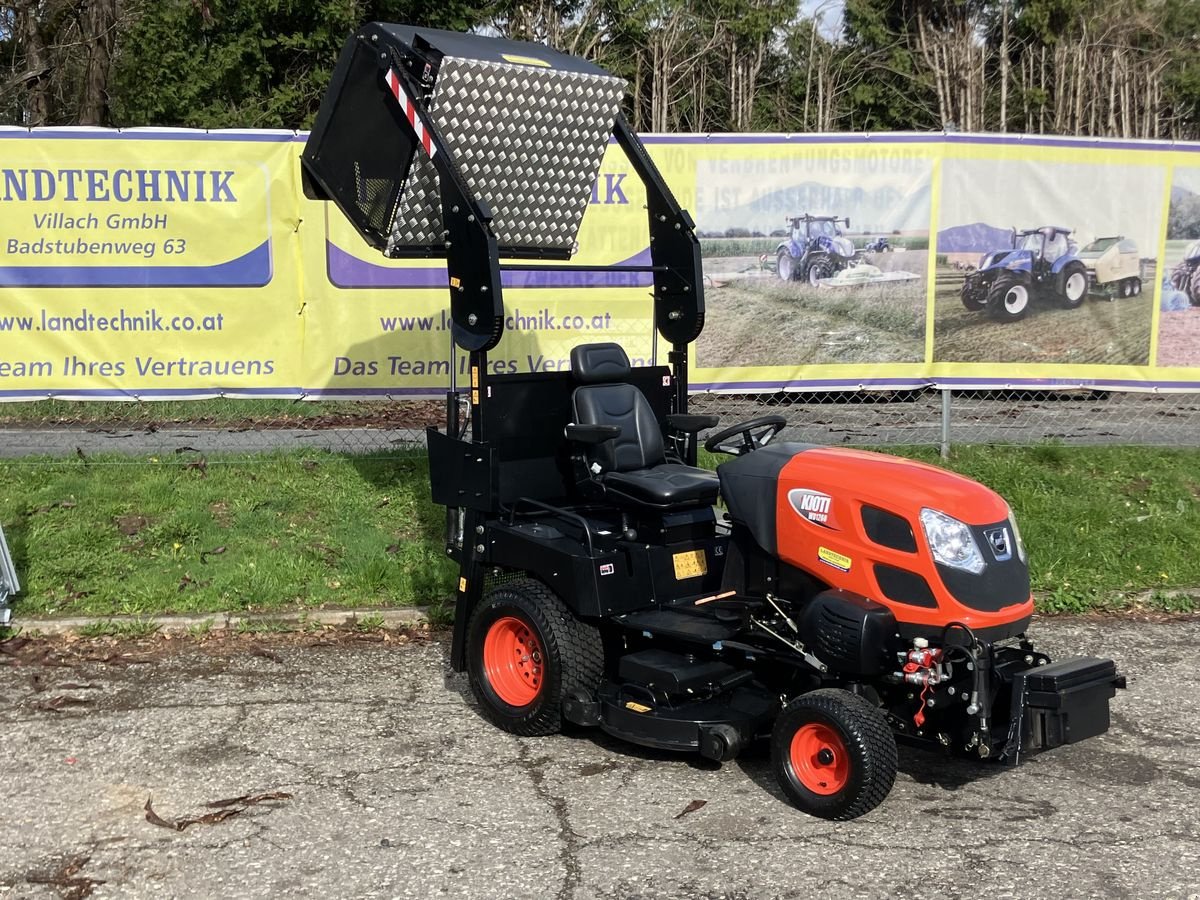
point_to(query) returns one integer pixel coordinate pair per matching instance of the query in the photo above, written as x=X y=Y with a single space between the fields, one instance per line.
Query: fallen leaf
x=692 y=807
x=54 y=704
x=155 y=819
x=226 y=809
x=216 y=551
x=249 y=799
x=265 y=654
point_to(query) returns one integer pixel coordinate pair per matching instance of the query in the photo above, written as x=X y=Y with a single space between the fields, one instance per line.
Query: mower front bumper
x=1060 y=703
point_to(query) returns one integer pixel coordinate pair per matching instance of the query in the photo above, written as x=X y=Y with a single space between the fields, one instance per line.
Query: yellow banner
x=151 y=264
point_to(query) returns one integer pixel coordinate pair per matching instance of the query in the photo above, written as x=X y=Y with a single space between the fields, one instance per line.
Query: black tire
x=862 y=754
x=1179 y=277
x=572 y=656
x=1009 y=297
x=819 y=268
x=1073 y=286
x=1136 y=283
x=974 y=297
x=785 y=266
x=1193 y=290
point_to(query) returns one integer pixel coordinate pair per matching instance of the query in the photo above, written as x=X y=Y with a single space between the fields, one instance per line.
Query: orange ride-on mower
x=846 y=599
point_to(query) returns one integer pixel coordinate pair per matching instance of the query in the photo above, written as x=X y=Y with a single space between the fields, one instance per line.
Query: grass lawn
x=121 y=536
x=1107 y=528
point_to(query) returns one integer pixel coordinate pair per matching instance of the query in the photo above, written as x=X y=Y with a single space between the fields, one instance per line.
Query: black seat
x=632 y=467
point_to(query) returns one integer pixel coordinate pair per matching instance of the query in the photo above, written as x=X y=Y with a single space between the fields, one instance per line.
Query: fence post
x=945 y=449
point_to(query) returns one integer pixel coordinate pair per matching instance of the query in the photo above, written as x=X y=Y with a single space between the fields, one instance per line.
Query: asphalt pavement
x=382 y=780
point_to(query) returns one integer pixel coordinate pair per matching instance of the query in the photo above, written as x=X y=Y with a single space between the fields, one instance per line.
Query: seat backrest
x=603 y=398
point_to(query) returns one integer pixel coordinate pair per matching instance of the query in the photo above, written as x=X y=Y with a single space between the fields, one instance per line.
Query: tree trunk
x=100 y=22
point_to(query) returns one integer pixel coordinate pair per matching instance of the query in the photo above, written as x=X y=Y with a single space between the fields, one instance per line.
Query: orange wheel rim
x=819 y=759
x=513 y=661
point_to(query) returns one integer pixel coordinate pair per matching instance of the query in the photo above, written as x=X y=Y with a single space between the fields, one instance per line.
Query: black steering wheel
x=754 y=434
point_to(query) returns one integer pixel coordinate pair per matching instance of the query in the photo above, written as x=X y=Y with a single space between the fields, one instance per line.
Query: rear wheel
x=833 y=754
x=1009 y=298
x=526 y=652
x=784 y=266
x=1193 y=291
x=1074 y=284
x=1136 y=284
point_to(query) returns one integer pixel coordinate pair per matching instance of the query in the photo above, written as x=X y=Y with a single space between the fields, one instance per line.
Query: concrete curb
x=218 y=622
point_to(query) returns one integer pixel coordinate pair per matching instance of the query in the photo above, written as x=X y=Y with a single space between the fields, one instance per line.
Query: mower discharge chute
x=846 y=598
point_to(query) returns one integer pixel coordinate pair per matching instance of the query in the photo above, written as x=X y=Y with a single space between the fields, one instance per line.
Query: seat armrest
x=690 y=424
x=592 y=434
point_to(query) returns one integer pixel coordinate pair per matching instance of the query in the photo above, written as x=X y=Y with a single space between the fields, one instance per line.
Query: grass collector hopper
x=844 y=601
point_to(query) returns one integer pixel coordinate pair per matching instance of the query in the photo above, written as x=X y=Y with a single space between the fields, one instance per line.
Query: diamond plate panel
x=528 y=140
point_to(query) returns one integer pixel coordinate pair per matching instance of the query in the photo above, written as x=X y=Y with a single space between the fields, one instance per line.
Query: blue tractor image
x=1042 y=263
x=816 y=249
x=1185 y=277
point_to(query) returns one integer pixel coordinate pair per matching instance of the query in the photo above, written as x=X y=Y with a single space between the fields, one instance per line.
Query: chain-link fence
x=923 y=417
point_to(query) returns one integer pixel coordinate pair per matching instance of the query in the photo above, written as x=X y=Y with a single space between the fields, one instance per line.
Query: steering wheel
x=754 y=434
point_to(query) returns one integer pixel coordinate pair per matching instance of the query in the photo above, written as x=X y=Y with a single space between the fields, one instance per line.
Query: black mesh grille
x=902 y=586
x=888 y=529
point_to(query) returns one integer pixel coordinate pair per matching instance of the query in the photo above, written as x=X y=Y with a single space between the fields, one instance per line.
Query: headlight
x=951 y=541
x=1012 y=520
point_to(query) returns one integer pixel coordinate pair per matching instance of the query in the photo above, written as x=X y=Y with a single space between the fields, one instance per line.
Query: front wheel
x=1009 y=298
x=974 y=295
x=818 y=269
x=526 y=653
x=833 y=754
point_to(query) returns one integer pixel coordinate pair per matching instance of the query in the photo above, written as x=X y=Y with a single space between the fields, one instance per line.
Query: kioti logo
x=812 y=505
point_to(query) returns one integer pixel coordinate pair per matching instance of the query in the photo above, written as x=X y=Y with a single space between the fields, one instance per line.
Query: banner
x=149 y=264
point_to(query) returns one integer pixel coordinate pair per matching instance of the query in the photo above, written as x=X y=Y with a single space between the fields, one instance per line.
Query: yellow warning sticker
x=455 y=281
x=462 y=585
x=525 y=60
x=636 y=707
x=690 y=564
x=835 y=559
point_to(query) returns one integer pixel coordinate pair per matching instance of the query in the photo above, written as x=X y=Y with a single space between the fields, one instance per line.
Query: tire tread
x=574 y=643
x=865 y=726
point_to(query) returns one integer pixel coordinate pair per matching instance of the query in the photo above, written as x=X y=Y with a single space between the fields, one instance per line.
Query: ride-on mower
x=846 y=599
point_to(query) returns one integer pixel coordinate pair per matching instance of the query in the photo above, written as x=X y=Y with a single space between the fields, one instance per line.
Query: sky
x=1095 y=200
x=830 y=12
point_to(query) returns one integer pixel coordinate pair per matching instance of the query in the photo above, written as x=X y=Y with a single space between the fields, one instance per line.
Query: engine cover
x=852 y=520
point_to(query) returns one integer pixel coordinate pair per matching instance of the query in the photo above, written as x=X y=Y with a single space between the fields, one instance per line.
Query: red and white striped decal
x=410 y=110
